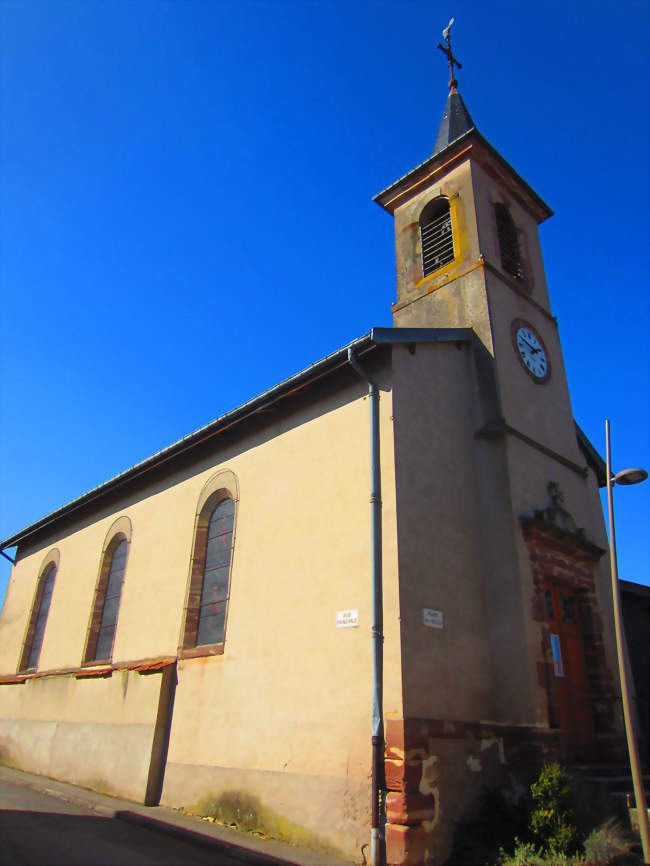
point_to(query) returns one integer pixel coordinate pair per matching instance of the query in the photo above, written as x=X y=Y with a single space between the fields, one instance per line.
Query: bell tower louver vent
x=508 y=242
x=436 y=236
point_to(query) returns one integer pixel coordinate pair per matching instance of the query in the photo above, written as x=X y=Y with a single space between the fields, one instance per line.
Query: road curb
x=209 y=836
x=82 y=802
x=185 y=834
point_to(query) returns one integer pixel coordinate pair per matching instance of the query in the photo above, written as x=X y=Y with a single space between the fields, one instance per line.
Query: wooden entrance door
x=569 y=690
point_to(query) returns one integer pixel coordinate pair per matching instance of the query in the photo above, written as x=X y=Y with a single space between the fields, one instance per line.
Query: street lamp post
x=626 y=477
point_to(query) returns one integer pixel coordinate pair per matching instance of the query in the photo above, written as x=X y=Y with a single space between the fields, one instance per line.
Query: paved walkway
x=215 y=837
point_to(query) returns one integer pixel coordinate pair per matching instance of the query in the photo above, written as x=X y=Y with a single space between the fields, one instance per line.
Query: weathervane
x=446 y=50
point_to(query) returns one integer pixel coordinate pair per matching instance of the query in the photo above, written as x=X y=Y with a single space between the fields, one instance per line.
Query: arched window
x=436 y=236
x=38 y=619
x=508 y=242
x=216 y=574
x=209 y=591
x=101 y=632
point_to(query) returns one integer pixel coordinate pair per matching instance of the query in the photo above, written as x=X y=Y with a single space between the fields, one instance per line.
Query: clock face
x=531 y=350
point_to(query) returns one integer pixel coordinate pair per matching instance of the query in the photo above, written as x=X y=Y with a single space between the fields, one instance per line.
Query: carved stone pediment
x=555 y=521
x=555 y=514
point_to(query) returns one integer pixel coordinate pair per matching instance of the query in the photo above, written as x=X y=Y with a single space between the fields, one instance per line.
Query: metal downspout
x=377 y=617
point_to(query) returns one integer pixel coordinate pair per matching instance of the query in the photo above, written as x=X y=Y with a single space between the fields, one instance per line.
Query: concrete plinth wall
x=324 y=812
x=275 y=739
x=97 y=733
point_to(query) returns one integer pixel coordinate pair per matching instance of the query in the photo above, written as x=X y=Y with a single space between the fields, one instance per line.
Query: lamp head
x=630 y=476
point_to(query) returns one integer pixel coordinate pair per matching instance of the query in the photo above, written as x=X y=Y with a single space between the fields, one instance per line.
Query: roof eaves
x=397 y=336
x=424 y=164
x=592 y=456
x=493 y=151
x=339 y=358
x=256 y=404
x=631 y=587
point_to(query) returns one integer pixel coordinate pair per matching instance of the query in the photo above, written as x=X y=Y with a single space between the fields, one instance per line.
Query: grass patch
x=243 y=811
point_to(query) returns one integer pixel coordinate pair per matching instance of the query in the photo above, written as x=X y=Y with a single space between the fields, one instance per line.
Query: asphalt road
x=39 y=830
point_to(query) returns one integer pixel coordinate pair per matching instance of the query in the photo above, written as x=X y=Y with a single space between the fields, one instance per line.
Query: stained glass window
x=40 y=613
x=107 y=604
x=216 y=574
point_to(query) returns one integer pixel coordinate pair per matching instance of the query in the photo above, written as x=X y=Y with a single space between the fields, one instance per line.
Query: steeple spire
x=456 y=120
x=446 y=50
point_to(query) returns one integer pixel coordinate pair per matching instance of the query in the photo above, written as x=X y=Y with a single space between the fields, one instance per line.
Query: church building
x=338 y=612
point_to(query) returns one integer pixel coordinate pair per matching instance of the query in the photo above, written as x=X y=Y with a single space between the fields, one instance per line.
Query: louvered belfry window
x=436 y=236
x=508 y=242
x=38 y=621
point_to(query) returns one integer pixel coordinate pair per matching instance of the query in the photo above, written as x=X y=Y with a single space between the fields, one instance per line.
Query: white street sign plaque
x=347 y=619
x=432 y=618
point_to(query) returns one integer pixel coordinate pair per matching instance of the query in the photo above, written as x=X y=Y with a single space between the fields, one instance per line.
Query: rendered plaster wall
x=487 y=192
x=474 y=706
x=96 y=733
x=458 y=543
x=446 y=670
x=284 y=714
x=455 y=547
x=454 y=296
x=474 y=291
x=541 y=410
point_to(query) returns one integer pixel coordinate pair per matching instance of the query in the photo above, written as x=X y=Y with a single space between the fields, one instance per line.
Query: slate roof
x=286 y=389
x=455 y=126
x=456 y=121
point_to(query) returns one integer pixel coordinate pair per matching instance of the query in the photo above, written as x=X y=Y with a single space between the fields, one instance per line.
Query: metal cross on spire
x=446 y=50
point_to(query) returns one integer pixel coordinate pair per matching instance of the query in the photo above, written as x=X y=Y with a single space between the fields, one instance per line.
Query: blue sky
x=186 y=214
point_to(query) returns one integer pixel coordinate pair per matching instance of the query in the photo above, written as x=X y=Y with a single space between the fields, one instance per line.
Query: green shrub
x=552 y=819
x=607 y=845
x=526 y=854
x=541 y=829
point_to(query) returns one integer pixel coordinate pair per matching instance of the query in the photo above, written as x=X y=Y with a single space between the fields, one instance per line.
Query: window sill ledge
x=201 y=651
x=88 y=670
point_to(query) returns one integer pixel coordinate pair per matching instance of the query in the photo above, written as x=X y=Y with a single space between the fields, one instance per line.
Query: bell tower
x=468 y=254
x=504 y=518
x=463 y=218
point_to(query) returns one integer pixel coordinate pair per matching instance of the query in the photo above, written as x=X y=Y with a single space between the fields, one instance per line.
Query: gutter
x=377 y=739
